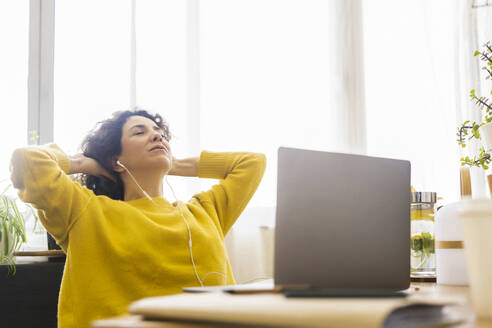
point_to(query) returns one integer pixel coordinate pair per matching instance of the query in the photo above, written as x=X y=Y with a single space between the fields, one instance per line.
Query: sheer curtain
x=14 y=35
x=381 y=77
x=475 y=32
x=420 y=69
x=14 y=63
x=278 y=73
x=161 y=84
x=92 y=66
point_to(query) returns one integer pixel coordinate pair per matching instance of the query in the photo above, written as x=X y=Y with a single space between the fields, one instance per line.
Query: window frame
x=40 y=115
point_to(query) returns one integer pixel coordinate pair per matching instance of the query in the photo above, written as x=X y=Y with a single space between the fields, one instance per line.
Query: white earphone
x=190 y=242
x=123 y=166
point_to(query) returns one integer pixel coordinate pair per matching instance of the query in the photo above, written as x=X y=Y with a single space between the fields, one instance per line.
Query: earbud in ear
x=119 y=163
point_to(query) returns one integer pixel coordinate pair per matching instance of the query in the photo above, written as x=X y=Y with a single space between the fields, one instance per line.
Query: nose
x=156 y=137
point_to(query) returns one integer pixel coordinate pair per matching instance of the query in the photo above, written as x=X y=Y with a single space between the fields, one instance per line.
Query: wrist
x=76 y=163
x=175 y=165
x=187 y=167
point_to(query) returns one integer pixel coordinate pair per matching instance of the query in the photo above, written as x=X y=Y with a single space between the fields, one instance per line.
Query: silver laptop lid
x=342 y=221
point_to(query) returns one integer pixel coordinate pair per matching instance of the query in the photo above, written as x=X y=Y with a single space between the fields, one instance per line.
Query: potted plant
x=483 y=130
x=12 y=228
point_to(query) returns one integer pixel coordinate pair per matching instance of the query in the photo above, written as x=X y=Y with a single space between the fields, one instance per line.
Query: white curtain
x=474 y=32
x=228 y=75
x=289 y=74
x=381 y=77
x=14 y=36
x=419 y=70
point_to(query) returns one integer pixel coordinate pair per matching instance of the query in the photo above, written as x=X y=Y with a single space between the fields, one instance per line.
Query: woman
x=123 y=239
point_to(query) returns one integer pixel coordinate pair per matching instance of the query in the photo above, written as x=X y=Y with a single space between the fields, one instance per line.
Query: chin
x=163 y=164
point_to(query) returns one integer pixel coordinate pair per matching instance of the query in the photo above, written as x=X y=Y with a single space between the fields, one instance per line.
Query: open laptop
x=342 y=222
x=342 y=225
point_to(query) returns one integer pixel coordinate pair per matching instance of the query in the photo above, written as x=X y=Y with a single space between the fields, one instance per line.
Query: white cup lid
x=475 y=206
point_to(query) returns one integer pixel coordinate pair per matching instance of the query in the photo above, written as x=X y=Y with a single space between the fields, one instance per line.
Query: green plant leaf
x=5 y=190
x=5 y=239
x=12 y=229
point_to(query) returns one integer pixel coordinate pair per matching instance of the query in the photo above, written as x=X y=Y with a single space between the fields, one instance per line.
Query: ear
x=115 y=166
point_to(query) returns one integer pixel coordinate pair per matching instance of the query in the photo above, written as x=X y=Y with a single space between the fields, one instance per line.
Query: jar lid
x=423 y=197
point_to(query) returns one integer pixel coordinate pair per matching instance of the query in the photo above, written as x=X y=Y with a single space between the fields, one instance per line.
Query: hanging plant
x=472 y=130
x=12 y=229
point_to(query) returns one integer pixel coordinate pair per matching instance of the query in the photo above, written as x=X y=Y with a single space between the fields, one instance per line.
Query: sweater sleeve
x=240 y=174
x=40 y=175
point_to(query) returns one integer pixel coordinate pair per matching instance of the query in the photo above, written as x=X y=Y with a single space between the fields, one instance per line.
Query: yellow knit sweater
x=119 y=252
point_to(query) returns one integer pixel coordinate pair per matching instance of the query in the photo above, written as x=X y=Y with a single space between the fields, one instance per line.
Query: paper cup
x=486 y=136
x=476 y=220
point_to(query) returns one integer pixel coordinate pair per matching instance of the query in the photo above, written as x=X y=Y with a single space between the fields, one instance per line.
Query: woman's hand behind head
x=80 y=163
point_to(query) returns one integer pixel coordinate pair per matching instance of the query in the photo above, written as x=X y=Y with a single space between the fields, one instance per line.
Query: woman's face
x=143 y=145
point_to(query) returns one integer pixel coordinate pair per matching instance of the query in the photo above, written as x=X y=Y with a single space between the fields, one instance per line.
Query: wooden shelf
x=54 y=252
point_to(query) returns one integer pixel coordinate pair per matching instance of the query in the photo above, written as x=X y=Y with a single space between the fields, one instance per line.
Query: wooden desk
x=424 y=290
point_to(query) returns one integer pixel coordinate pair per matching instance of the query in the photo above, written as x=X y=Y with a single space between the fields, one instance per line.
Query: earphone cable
x=190 y=242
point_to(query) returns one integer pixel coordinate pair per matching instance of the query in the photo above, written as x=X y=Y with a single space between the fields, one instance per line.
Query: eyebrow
x=141 y=126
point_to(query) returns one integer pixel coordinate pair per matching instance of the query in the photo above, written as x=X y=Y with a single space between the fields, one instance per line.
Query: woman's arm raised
x=240 y=174
x=187 y=167
x=82 y=164
x=40 y=175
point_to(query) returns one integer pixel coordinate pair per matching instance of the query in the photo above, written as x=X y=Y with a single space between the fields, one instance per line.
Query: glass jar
x=422 y=239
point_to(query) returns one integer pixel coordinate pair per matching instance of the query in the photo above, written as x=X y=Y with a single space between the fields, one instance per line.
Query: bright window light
x=265 y=72
x=14 y=33
x=92 y=66
x=411 y=80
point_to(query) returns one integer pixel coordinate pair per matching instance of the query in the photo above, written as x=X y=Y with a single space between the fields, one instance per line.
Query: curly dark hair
x=103 y=143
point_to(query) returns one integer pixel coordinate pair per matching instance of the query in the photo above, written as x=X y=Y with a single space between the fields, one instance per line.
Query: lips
x=158 y=147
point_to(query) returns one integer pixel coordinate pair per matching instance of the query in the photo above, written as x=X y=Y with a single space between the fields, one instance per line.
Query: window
x=92 y=66
x=265 y=80
x=14 y=33
x=14 y=66
x=161 y=64
x=411 y=81
x=161 y=84
x=266 y=77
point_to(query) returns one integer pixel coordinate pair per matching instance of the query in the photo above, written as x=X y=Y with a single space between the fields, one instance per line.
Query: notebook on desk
x=273 y=310
x=342 y=225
